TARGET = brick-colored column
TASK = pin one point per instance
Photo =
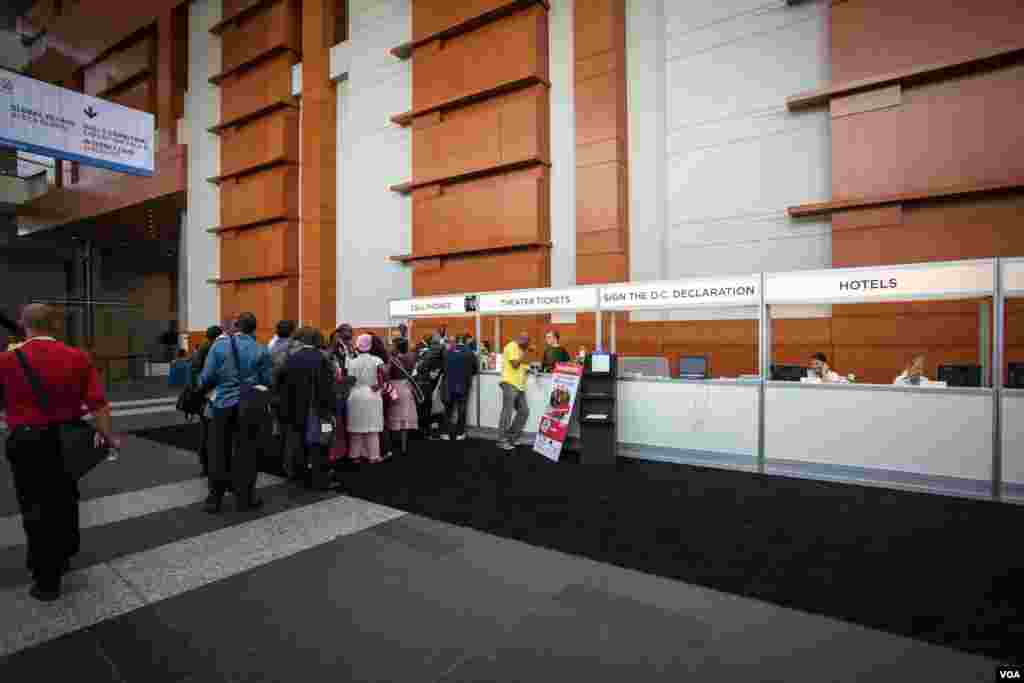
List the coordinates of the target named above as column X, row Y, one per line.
column 319, row 166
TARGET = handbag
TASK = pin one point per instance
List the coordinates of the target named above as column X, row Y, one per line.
column 253, row 403
column 190, row 402
column 77, row 439
column 319, row 430
column 417, row 392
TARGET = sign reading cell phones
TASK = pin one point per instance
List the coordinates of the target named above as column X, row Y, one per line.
column 554, row 423
column 433, row 306
column 953, row 279
column 725, row 291
column 44, row 119
column 540, row 300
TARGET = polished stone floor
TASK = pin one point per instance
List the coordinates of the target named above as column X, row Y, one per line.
column 327, row 587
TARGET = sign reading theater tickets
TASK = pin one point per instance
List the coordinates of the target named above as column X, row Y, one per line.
column 724, row 291
column 40, row 118
column 540, row 301
column 942, row 280
column 554, row 423
column 433, row 305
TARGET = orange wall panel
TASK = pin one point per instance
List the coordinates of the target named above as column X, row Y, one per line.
column 255, row 88
column 524, row 269
column 502, row 210
column 274, row 26
column 594, row 269
column 504, row 51
column 119, row 66
column 270, row 301
column 938, row 231
column 963, row 131
column 140, row 96
column 259, row 196
column 503, row 130
column 265, row 139
column 873, row 37
column 433, row 16
column 266, row 250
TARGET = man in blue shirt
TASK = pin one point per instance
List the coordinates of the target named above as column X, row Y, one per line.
column 235, row 448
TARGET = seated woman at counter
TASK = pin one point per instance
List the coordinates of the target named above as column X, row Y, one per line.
column 553, row 352
column 913, row 374
column 819, row 363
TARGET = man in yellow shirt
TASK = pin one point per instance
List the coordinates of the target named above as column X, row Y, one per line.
column 513, row 392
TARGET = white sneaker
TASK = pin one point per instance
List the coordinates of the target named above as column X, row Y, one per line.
column 460, row 437
column 506, row 446
column 446, row 437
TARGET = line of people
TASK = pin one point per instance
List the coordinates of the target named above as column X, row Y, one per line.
column 348, row 398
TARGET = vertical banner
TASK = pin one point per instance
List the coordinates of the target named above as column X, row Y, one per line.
column 554, row 423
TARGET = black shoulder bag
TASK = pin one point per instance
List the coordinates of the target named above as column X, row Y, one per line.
column 77, row 439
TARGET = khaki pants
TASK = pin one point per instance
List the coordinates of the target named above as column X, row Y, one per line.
column 513, row 403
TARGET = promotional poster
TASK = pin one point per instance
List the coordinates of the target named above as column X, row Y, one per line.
column 554, row 423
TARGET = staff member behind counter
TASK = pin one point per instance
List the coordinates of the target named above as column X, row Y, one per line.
column 819, row 364
column 913, row 374
column 554, row 352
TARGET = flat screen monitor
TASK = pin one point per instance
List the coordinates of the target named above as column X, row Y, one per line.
column 960, row 375
column 1015, row 380
column 788, row 373
column 693, row 367
column 600, row 363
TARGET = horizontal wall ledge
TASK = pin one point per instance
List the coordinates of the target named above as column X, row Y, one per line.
column 824, row 208
column 408, row 258
column 253, row 224
column 262, row 166
column 237, row 17
column 124, row 83
column 289, row 103
column 241, row 68
column 405, row 50
column 408, row 187
column 405, row 118
column 252, row 278
column 993, row 57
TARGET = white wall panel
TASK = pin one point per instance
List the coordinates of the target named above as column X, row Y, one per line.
column 563, row 148
column 202, row 109
column 373, row 222
column 1012, row 419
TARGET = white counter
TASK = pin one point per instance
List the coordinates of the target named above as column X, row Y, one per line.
column 538, row 392
column 1012, row 419
column 930, row 431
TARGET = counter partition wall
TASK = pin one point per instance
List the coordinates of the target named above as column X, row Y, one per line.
column 1011, row 404
column 953, row 440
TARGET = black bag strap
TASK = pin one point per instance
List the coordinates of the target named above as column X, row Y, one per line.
column 238, row 364
column 415, row 387
column 33, row 379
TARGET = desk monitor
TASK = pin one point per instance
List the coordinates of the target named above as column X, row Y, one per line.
column 600, row 363
column 1015, row 380
column 788, row 373
column 693, row 367
column 960, row 375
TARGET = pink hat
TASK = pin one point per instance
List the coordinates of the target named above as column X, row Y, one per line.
column 364, row 342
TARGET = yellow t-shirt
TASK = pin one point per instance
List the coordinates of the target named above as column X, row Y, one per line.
column 514, row 376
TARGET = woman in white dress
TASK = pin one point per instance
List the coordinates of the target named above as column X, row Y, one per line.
column 365, row 404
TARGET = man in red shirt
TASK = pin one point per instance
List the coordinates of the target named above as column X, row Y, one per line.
column 47, row 496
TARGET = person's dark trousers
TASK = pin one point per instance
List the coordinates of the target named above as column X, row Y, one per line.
column 222, row 440
column 235, row 455
column 309, row 462
column 48, row 500
column 204, row 443
column 456, row 424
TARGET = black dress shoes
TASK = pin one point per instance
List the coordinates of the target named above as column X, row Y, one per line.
column 213, row 504
column 250, row 503
column 44, row 594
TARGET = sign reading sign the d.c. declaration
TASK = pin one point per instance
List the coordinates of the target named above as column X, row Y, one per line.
column 43, row 119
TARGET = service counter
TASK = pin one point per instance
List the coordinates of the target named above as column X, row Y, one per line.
column 712, row 416
column 934, row 431
column 1012, row 419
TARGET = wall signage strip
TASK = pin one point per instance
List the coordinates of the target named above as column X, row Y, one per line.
column 956, row 279
column 724, row 291
column 459, row 304
column 44, row 119
column 540, row 301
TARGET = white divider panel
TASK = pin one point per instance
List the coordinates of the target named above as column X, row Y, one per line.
column 945, row 280
column 539, row 301
column 743, row 290
column 1013, row 276
column 693, row 416
column 940, row 433
column 1013, row 437
column 538, row 392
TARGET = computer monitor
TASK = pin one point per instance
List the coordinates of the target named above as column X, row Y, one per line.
column 1015, row 380
column 693, row 367
column 960, row 375
column 788, row 373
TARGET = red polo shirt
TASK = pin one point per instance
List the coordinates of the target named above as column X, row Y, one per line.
column 67, row 375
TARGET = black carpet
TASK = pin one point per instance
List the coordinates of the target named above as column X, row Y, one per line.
column 935, row 568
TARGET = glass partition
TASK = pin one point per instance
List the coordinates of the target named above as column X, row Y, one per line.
column 1012, row 393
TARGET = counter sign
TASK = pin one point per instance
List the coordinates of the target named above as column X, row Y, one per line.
column 681, row 294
